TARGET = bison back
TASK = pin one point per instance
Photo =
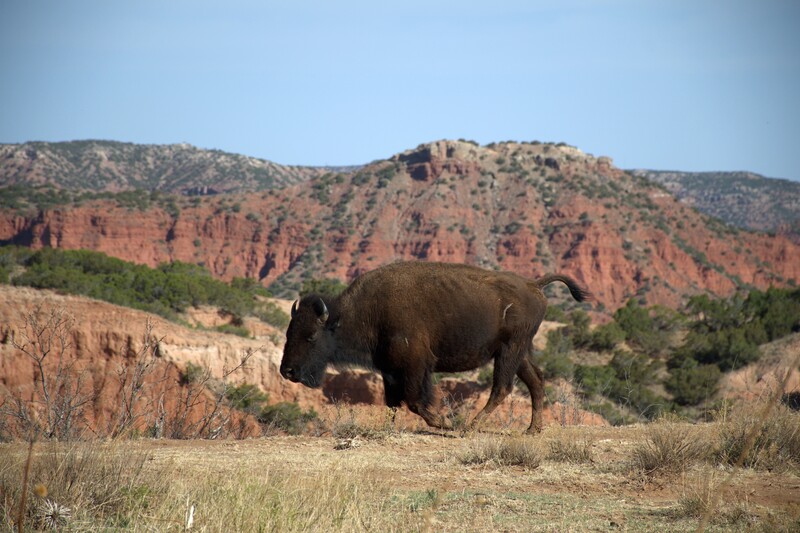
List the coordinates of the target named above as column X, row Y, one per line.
column 460, row 314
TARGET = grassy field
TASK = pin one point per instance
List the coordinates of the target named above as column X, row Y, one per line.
column 664, row 476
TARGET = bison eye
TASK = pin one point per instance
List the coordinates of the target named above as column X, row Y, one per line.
column 313, row 338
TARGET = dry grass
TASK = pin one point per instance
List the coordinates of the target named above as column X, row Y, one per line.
column 87, row 478
column 569, row 446
column 566, row 479
column 670, row 447
column 107, row 486
column 497, row 450
column 776, row 439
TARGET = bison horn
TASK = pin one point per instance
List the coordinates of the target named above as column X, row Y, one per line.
column 294, row 308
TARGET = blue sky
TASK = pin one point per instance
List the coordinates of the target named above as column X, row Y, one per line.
column 685, row 85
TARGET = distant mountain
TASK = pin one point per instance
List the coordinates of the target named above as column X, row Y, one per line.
column 530, row 208
column 742, row 199
column 107, row 166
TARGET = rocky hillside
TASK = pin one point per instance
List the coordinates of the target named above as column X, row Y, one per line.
column 742, row 199
column 527, row 207
column 106, row 166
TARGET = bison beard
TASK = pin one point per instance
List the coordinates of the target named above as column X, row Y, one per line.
column 410, row 319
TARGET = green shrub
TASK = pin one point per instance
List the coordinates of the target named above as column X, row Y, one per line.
column 555, row 314
column 606, row 337
column 641, row 329
column 287, row 416
column 166, row 290
column 247, row 397
column 270, row 313
column 634, row 368
column 625, row 380
column 192, row 373
column 727, row 333
column 327, row 287
column 578, row 329
column 693, row 383
column 231, row 329
column 728, row 349
column 595, row 379
column 249, row 285
column 554, row 360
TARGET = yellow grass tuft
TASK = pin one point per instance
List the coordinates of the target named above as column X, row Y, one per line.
column 522, row 451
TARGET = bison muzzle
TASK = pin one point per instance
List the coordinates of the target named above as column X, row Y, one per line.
column 408, row 320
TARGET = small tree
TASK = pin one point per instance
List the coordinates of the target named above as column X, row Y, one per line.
column 56, row 405
column 133, row 382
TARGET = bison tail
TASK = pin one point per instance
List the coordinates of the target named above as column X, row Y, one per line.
column 577, row 292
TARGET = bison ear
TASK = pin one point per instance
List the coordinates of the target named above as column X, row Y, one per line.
column 322, row 311
column 294, row 308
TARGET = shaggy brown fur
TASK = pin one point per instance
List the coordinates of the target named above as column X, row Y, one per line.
column 408, row 320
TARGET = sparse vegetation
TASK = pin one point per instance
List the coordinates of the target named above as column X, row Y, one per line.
column 502, row 451
column 568, row 479
column 166, row 290
column 669, row 447
column 775, row 437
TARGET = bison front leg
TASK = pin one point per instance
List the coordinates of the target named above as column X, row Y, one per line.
column 532, row 376
column 419, row 398
column 393, row 392
column 418, row 388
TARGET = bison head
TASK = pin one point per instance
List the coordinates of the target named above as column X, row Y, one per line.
column 309, row 344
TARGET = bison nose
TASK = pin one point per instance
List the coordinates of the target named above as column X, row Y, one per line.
column 288, row 373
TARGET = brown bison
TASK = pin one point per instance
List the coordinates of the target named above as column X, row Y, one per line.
column 408, row 320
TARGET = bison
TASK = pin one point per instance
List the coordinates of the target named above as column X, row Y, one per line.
column 409, row 319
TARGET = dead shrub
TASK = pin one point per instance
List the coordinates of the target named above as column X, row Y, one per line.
column 775, row 439
column 502, row 451
column 699, row 496
column 669, row 447
column 346, row 424
column 566, row 450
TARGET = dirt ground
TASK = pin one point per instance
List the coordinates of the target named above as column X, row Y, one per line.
column 426, row 477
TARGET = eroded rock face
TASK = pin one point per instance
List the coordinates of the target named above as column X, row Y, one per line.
column 529, row 208
column 104, row 344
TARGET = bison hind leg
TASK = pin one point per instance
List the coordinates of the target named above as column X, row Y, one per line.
column 506, row 364
column 533, row 378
